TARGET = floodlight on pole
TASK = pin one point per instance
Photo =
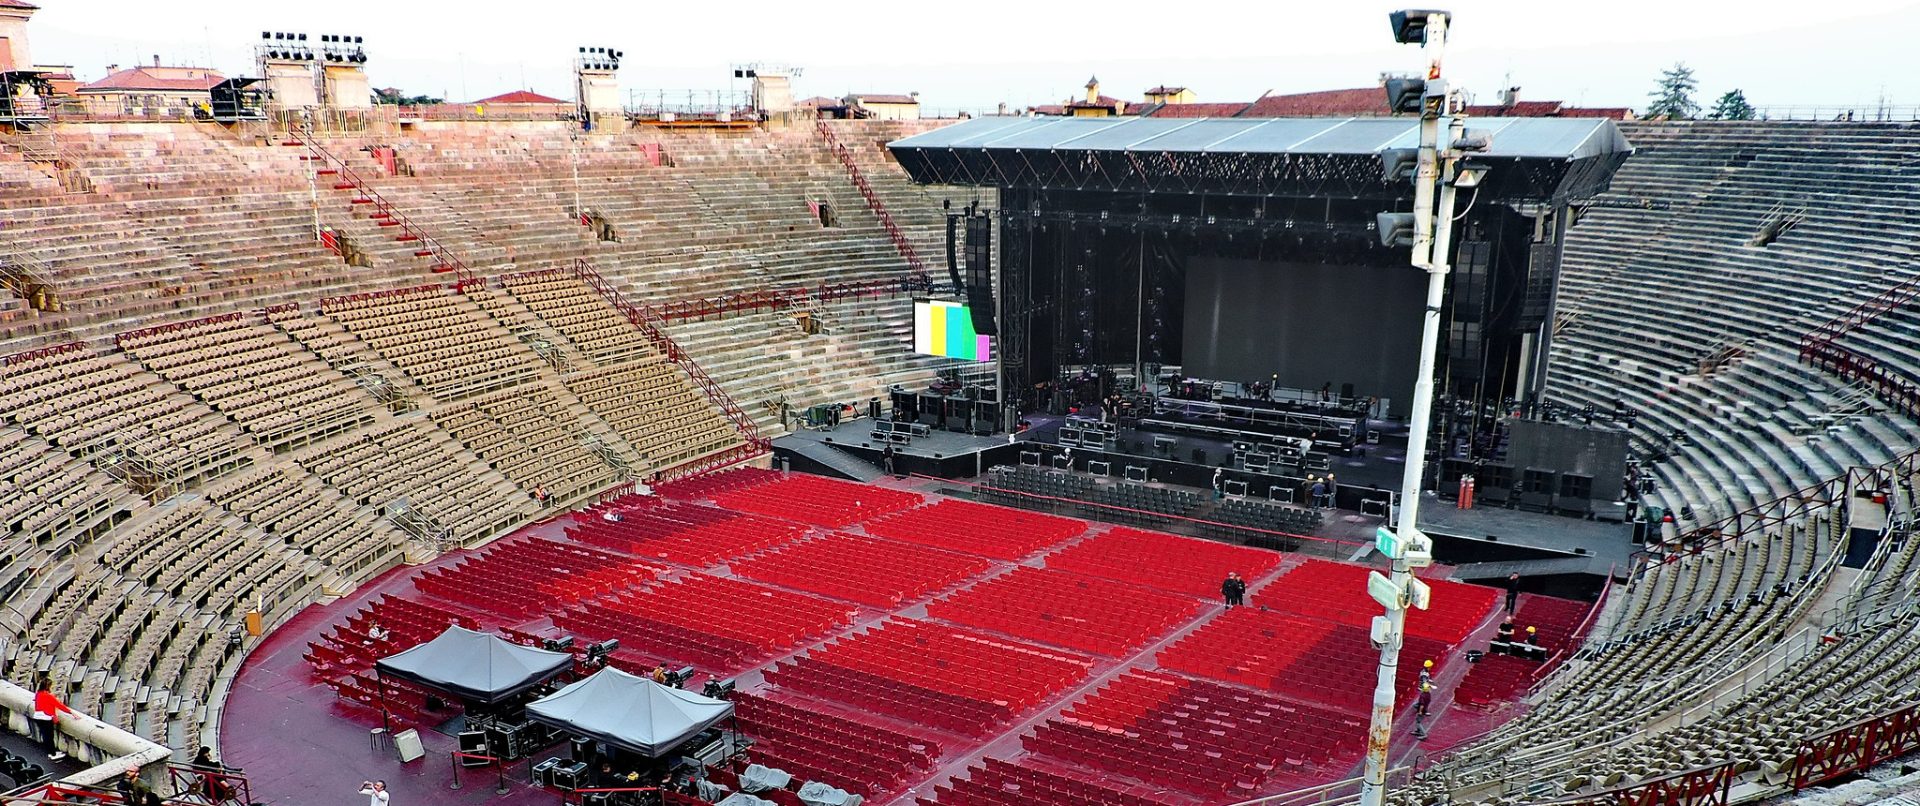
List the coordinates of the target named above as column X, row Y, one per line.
column 1429, row 233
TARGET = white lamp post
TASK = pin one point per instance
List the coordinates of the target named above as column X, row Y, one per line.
column 1435, row 173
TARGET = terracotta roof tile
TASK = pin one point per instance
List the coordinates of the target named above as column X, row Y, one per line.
column 521, row 97
column 156, row 78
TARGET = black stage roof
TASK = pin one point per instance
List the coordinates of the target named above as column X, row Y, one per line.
column 1553, row 160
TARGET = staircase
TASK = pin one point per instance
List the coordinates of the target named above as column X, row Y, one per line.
column 879, row 208
column 27, row 279
column 833, row 458
column 653, row 327
column 382, row 212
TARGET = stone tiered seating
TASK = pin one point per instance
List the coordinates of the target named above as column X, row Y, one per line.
column 244, row 368
column 45, row 492
column 579, row 314
column 1675, row 632
column 1710, row 242
column 656, row 410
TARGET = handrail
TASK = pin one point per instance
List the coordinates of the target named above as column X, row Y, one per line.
column 1324, row 793
column 1856, row 746
column 43, row 352
column 444, row 259
column 653, row 327
column 1860, row 315
column 239, row 790
column 900, row 241
column 1852, row 365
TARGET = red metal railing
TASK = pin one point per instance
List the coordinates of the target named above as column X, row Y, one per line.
column 785, row 298
column 1705, row 786
column 1857, row 746
column 120, row 339
column 879, row 208
column 331, row 303
column 219, row 786
column 1861, row 314
column 385, row 214
column 1851, row 365
column 43, row 352
column 652, row 326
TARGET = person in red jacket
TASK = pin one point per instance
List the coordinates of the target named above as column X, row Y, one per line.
column 46, row 715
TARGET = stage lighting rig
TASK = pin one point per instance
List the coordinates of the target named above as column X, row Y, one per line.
column 342, row 49
column 281, row 46
column 599, row 58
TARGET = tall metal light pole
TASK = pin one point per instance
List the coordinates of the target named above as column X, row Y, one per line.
column 1437, row 169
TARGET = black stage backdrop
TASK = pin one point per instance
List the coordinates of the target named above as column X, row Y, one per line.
column 1310, row 323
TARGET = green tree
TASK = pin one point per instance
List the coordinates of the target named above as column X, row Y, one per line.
column 1673, row 97
column 1732, row 106
column 391, row 95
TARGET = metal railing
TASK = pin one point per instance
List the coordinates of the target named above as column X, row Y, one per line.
column 384, row 212
column 900, row 241
column 653, row 327
column 1887, row 383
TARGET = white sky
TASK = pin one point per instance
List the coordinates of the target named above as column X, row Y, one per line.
column 976, row 53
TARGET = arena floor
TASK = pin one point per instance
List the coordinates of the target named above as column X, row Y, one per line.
column 300, row 744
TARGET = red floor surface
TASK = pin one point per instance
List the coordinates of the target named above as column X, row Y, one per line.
column 301, row 744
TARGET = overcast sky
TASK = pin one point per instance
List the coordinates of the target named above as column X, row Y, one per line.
column 976, row 54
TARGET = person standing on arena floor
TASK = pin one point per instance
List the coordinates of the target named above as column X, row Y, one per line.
column 376, row 792
column 47, row 709
column 1234, row 589
column 886, row 458
column 1513, row 590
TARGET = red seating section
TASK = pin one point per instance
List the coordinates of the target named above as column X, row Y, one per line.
column 861, row 569
column 999, row 783
column 818, row 500
column 1495, row 679
column 712, row 484
column 998, row 532
column 720, row 625
column 1068, row 610
column 1164, row 561
column 344, row 656
column 532, row 576
column 349, row 647
column 1557, row 619
column 863, row 759
column 1202, row 738
column 943, row 677
column 1309, row 660
column 684, row 533
column 1338, row 592
column 1253, row 700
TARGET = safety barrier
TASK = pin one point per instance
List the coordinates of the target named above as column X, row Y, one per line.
column 499, row 768
column 1857, row 746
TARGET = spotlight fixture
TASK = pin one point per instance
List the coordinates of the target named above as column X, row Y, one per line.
column 598, row 58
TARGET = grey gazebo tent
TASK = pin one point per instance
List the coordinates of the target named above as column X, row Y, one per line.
column 475, row 666
column 629, row 712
